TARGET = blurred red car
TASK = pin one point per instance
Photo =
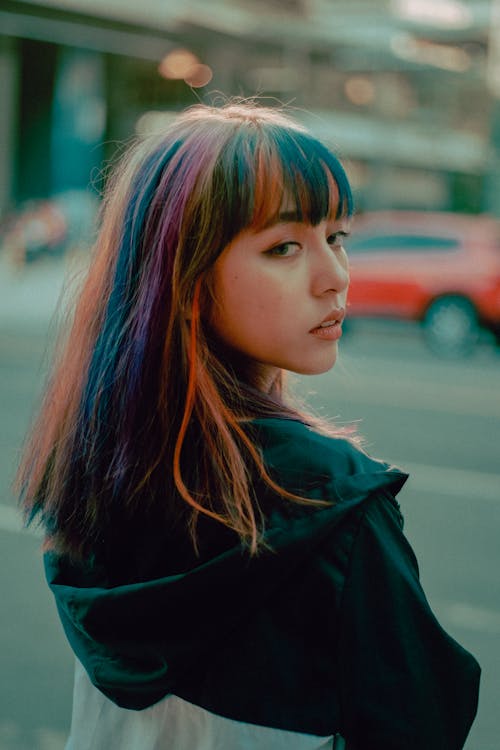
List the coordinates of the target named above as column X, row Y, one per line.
column 440, row 269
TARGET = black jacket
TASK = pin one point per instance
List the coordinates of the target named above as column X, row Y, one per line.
column 326, row 631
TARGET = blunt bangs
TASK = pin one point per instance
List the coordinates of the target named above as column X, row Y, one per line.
column 272, row 168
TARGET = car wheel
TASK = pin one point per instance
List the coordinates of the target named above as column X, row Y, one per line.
column 451, row 327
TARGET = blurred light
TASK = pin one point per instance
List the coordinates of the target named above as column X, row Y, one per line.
column 177, row 64
column 451, row 14
column 421, row 51
column 359, row 90
column 198, row 75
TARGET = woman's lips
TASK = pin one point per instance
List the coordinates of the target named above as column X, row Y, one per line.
column 329, row 331
column 330, row 328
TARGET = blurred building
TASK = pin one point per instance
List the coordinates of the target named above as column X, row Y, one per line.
column 401, row 88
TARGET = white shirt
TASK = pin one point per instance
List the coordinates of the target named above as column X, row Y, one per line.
column 171, row 724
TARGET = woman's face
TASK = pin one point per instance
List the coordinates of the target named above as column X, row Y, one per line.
column 280, row 294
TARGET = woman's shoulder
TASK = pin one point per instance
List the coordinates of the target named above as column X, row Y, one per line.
column 306, row 457
column 294, row 439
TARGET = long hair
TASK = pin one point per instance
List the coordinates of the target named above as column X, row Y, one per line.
column 142, row 413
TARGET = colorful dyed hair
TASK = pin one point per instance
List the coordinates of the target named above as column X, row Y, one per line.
column 143, row 415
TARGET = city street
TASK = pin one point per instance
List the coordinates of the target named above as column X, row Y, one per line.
column 438, row 419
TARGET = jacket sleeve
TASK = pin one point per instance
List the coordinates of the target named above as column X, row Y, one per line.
column 405, row 683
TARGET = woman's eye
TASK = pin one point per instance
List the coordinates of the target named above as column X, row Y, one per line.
column 336, row 239
column 285, row 250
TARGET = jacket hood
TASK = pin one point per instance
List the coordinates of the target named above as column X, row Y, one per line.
column 137, row 639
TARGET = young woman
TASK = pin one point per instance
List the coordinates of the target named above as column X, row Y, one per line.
column 230, row 573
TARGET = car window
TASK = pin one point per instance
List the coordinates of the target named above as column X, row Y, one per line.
column 400, row 242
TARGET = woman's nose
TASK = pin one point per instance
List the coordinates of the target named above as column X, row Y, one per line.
column 331, row 273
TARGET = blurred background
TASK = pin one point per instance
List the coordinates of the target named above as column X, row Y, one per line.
column 407, row 93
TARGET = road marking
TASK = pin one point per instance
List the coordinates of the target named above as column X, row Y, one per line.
column 449, row 481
